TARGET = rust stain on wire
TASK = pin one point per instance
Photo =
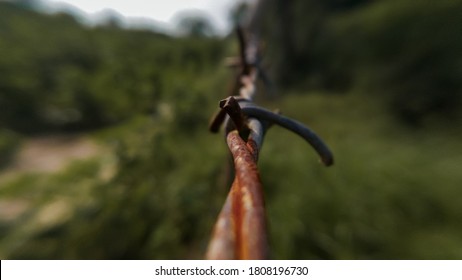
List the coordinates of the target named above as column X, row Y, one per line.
column 240, row 231
column 248, row 205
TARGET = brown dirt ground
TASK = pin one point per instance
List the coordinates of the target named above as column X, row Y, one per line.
column 49, row 154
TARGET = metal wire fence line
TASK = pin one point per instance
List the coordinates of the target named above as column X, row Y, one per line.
column 240, row 231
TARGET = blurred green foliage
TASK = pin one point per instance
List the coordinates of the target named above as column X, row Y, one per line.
column 58, row 75
column 9, row 143
column 407, row 52
column 157, row 189
column 392, row 193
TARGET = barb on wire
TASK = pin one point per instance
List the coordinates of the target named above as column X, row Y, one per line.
column 300, row 129
column 232, row 108
column 245, row 61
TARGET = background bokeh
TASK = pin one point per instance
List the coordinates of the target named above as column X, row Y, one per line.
column 105, row 151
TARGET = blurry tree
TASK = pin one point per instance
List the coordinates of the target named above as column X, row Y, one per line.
column 80, row 78
column 28, row 4
column 239, row 13
column 196, row 26
column 408, row 52
column 294, row 30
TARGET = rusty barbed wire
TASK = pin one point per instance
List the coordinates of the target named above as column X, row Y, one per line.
column 240, row 231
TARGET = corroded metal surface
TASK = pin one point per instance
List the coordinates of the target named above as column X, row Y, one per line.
column 222, row 244
column 248, row 205
column 240, row 231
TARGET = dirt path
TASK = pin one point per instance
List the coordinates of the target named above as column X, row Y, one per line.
column 50, row 154
column 45, row 154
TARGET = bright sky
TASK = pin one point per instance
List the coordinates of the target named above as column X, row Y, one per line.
column 160, row 10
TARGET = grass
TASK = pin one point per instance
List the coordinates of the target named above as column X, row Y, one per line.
column 391, row 194
column 9, row 143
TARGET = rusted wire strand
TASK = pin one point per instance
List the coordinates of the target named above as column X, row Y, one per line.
column 240, row 231
column 249, row 211
column 222, row 243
